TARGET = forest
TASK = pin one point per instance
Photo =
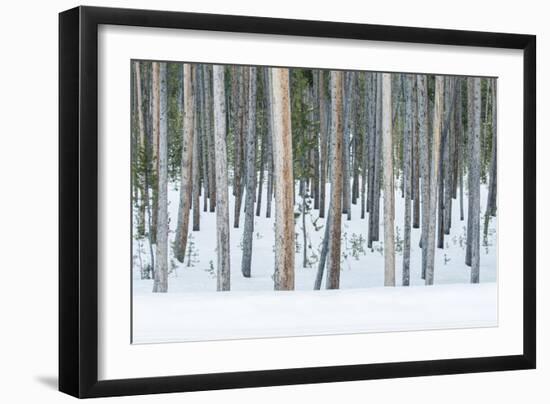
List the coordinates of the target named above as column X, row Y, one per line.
column 265, row 178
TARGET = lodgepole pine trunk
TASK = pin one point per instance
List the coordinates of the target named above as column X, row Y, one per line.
column 475, row 167
column 250, row 176
column 389, row 203
column 195, row 169
column 186, row 185
column 492, row 197
column 207, row 77
column 282, row 159
column 335, row 212
column 323, row 144
column 238, row 146
column 348, row 122
column 407, row 178
column 269, row 109
column 415, row 159
column 222, row 193
column 436, row 149
column 423, row 140
column 160, row 284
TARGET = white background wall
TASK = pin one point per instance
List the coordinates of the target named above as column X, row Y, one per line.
column 28, row 201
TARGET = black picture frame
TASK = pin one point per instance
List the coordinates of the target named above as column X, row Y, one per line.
column 78, row 201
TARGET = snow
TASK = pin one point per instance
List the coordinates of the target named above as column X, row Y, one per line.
column 193, row 310
column 175, row 317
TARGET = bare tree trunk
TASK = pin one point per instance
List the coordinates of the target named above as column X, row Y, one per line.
column 475, row 162
column 407, row 178
column 186, row 185
column 422, row 97
column 160, row 284
column 269, row 109
column 282, row 159
column 155, row 105
column 471, row 129
column 389, row 204
column 375, row 155
column 238, row 141
column 335, row 213
column 250, row 176
column 209, row 135
column 222, row 194
column 492, row 197
column 436, row 143
column 415, row 159
column 348, row 120
column 323, row 144
column 141, row 151
column 195, row 168
column 262, row 168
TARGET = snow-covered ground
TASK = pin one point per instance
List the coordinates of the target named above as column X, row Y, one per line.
column 193, row 310
column 175, row 317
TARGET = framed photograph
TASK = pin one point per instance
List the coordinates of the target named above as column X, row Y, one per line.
column 251, row 201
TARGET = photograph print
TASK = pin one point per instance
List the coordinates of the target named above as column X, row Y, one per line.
column 284, row 202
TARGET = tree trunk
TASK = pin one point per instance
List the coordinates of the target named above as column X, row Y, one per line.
column 186, row 185
column 155, row 105
column 195, row 169
column 423, row 140
column 160, row 284
column 434, row 180
column 250, row 176
column 407, row 178
column 492, row 197
column 335, row 213
column 269, row 109
column 222, row 194
column 475, row 163
column 348, row 120
column 238, row 141
column 389, row 208
column 210, row 137
column 282, row 159
column 323, row 144
column 141, row 151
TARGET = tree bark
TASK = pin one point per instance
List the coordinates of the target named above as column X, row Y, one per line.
column 250, row 176
column 323, row 144
column 407, row 179
column 282, row 159
column 475, row 167
column 186, row 185
column 389, row 203
column 335, row 213
column 434, row 180
column 160, row 284
column 222, row 193
column 422, row 97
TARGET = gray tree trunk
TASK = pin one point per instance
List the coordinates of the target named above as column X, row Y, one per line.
column 492, row 197
column 335, row 213
column 222, row 194
column 423, row 140
column 323, row 144
column 186, row 185
column 475, row 167
column 434, row 180
column 282, row 159
column 238, row 141
column 160, row 284
column 195, row 171
column 270, row 175
column 348, row 124
column 389, row 203
column 407, row 178
column 250, row 175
